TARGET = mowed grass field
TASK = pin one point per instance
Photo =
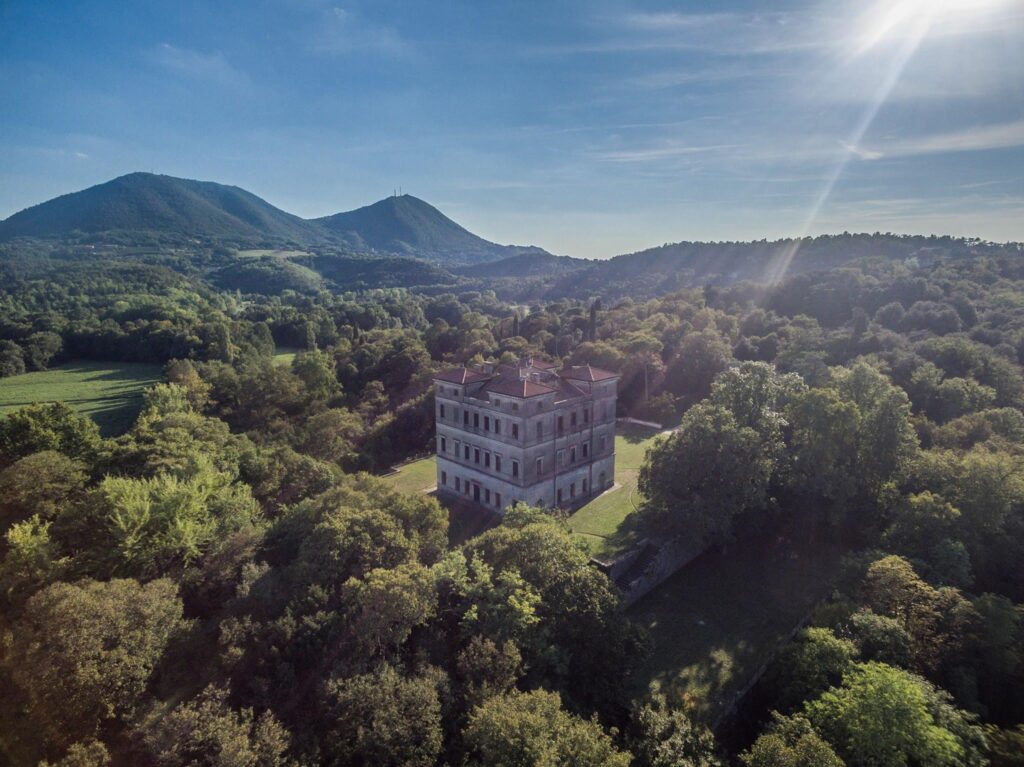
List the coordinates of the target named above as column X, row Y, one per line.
column 109, row 392
column 414, row 477
column 719, row 619
column 604, row 524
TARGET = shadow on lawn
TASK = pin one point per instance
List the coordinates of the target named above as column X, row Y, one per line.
column 714, row 623
column 625, row 536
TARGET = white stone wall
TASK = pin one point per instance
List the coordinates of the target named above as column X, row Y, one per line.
column 465, row 422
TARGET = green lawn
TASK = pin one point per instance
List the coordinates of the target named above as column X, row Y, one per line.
column 718, row 620
column 284, row 355
column 603, row 523
column 109, row 392
column 415, row 477
column 260, row 253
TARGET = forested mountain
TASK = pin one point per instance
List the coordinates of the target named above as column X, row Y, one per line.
column 407, row 225
column 144, row 202
column 143, row 206
column 687, row 264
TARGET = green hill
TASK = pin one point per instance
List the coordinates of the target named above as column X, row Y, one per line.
column 408, row 226
column 145, row 202
column 688, row 264
column 268, row 275
column 541, row 264
column 143, row 207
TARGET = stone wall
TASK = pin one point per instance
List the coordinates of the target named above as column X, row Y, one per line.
column 656, row 568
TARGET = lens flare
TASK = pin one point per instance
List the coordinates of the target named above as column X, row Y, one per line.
column 905, row 23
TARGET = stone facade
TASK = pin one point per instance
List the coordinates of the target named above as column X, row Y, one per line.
column 526, row 432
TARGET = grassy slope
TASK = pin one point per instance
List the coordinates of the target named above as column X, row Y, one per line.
column 602, row 523
column 718, row 620
column 109, row 392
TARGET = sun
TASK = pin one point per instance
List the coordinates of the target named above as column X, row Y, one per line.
column 898, row 19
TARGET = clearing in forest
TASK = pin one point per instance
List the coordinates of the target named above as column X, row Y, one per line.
column 603, row 523
column 109, row 392
column 718, row 620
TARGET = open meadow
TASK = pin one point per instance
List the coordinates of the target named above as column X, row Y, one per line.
column 108, row 392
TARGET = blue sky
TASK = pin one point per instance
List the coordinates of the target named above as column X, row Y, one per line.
column 589, row 128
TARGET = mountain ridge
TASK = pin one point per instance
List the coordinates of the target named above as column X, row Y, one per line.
column 168, row 205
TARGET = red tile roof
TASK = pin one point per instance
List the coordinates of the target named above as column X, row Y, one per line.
column 460, row 376
column 515, row 387
column 586, row 373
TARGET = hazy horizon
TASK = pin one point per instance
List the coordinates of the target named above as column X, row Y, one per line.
column 588, row 129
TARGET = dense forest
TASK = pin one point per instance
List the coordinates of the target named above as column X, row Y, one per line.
column 227, row 583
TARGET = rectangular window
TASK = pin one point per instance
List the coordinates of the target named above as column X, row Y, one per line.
column 444, row 478
column 487, row 423
column 515, row 468
column 601, row 444
column 584, row 485
column 440, row 410
column 465, row 418
column 560, row 458
column 559, row 495
column 476, row 420
column 487, row 460
column 572, row 454
column 561, row 424
column 444, row 445
column 497, row 463
column 586, row 449
column 572, row 418
column 586, row 415
column 515, row 405
column 465, row 449
column 572, row 490
column 515, row 431
column 476, row 455
column 540, row 466
column 497, row 500
column 497, row 426
column 487, row 495
column 458, row 484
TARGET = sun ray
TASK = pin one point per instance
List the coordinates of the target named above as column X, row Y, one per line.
column 913, row 19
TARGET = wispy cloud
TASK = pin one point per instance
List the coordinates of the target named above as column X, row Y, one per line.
column 209, row 67
column 665, row 151
column 740, row 34
column 341, row 31
column 974, row 139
